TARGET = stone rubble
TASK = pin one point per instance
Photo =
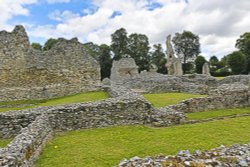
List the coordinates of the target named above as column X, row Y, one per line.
column 233, row 156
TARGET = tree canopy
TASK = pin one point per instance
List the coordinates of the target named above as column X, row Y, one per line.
column 236, row 62
column 186, row 45
column 37, row 46
column 138, row 48
column 158, row 58
column 243, row 44
column 49, row 44
column 199, row 62
column 105, row 60
column 119, row 43
column 93, row 49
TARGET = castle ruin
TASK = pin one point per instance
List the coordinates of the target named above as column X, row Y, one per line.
column 26, row 73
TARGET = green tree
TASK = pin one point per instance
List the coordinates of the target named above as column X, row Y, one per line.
column 36, row 46
column 158, row 58
column 213, row 61
column 119, row 43
column 105, row 60
column 236, row 62
column 186, row 46
column 199, row 62
column 93, row 49
column 243, row 44
column 138, row 48
column 49, row 44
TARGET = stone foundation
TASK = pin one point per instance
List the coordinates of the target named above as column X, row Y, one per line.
column 34, row 127
column 234, row 156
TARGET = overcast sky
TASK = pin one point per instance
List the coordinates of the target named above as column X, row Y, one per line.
column 217, row 22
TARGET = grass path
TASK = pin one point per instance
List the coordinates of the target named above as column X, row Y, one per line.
column 105, row 147
column 165, row 99
column 218, row 113
column 77, row 98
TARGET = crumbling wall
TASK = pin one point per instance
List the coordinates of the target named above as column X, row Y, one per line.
column 26, row 73
column 26, row 147
column 192, row 83
column 225, row 96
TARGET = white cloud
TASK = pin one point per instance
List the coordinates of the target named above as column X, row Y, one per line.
column 58, row 1
column 60, row 16
column 10, row 8
column 218, row 23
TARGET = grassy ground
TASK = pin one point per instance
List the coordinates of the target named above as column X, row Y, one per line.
column 219, row 78
column 4, row 142
column 165, row 99
column 77, row 98
column 218, row 113
column 105, row 147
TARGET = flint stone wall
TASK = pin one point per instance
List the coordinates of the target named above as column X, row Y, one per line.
column 235, row 79
column 26, row 73
column 225, row 96
column 158, row 83
column 26, row 147
column 233, row 156
column 125, row 108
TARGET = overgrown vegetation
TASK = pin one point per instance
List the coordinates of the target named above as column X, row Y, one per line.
column 105, row 147
column 4, row 142
column 218, row 113
column 165, row 99
column 77, row 98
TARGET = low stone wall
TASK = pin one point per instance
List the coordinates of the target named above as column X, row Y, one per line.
column 158, row 83
column 121, row 111
column 46, row 92
column 242, row 79
column 225, row 96
column 26, row 147
column 234, row 156
column 33, row 127
column 13, row 121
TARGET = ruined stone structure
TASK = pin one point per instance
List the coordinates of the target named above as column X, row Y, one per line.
column 206, row 69
column 34, row 127
column 125, row 68
column 174, row 64
column 233, row 156
column 155, row 83
column 59, row 71
column 26, row 73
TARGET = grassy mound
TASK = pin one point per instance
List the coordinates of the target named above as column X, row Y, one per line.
column 165, row 99
column 218, row 113
column 105, row 147
column 77, row 98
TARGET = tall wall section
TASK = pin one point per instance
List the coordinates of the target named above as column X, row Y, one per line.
column 26, row 73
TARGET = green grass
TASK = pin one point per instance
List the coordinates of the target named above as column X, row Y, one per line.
column 219, row 78
column 165, row 99
column 15, row 108
column 105, row 147
column 77, row 98
column 4, row 142
column 217, row 113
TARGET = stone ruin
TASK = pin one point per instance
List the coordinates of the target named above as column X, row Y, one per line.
column 26, row 73
column 206, row 69
column 174, row 64
column 125, row 68
column 60, row 71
